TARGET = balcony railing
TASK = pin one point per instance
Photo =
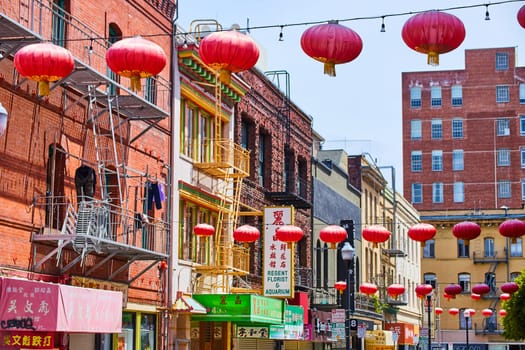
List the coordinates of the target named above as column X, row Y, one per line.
column 303, row 277
column 96, row 224
column 219, row 156
column 488, row 328
column 87, row 45
column 490, row 257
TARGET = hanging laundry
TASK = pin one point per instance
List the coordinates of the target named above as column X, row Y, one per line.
column 85, row 182
column 152, row 189
column 162, row 193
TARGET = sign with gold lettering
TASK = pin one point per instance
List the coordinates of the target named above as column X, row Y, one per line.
column 28, row 340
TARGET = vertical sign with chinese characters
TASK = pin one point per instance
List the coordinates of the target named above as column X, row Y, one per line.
column 278, row 258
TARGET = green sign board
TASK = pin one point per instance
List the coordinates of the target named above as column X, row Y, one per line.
column 240, row 308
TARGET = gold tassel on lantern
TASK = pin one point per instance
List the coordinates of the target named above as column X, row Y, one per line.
column 433, row 58
column 329, row 69
column 43, row 88
column 135, row 83
column 225, row 76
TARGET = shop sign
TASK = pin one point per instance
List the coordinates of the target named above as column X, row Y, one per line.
column 278, row 261
column 78, row 281
column 338, row 331
column 36, row 340
column 251, row 332
column 405, row 332
column 338, row 315
column 293, row 322
column 239, row 308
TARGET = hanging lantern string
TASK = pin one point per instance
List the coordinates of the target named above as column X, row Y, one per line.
column 351, row 19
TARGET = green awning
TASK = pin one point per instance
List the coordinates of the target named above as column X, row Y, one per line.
column 240, row 308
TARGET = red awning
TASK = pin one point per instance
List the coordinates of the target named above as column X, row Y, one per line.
column 48, row 307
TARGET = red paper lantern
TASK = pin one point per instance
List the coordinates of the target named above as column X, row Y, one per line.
column 368, row 288
column 503, row 312
column 332, row 235
column 340, row 286
column 246, row 234
column 521, row 16
column 228, row 52
column 475, row 296
column 331, row 44
column 487, row 312
column 512, row 228
column 438, row 310
column 504, row 296
column 453, row 311
column 376, row 234
column 422, row 290
column 509, row 287
column 453, row 290
column 204, row 230
column 136, row 58
column 466, row 231
column 447, row 296
column 395, row 290
column 289, row 234
column 163, row 265
column 422, row 232
column 481, row 288
column 44, row 63
column 433, row 33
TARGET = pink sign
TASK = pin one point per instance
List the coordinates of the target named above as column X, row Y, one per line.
column 49, row 307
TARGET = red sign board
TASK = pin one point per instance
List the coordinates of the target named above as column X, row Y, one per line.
column 26, row 340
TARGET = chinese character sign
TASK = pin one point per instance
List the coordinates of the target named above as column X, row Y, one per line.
column 278, row 259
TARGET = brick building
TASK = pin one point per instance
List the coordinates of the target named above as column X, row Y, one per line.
column 463, row 160
column 80, row 171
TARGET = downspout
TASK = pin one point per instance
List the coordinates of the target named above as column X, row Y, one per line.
column 171, row 177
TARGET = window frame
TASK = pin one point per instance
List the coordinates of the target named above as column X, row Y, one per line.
column 502, row 94
column 489, row 247
column 416, row 161
column 522, row 93
column 416, row 132
column 502, row 61
column 457, row 128
column 456, row 99
column 429, row 249
column 437, row 160
column 417, row 193
column 415, row 97
column 458, row 161
column 437, row 192
column 459, row 192
column 504, row 189
column 503, row 127
column 436, row 129
column 464, row 280
column 463, row 249
column 436, row 99
column 522, row 125
column 516, row 247
column 503, row 157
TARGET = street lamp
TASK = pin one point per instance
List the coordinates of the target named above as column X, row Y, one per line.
column 466, row 314
column 347, row 254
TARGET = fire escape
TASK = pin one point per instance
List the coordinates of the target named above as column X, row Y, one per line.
column 224, row 165
column 104, row 227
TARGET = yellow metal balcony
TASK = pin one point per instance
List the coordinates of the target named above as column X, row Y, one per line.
column 229, row 260
column 224, row 158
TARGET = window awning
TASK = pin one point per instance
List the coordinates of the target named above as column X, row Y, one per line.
column 186, row 304
column 49, row 307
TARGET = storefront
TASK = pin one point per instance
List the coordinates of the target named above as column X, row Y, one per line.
column 40, row 315
column 238, row 321
column 405, row 335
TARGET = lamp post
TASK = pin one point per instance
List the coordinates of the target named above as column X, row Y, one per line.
column 347, row 254
column 429, row 310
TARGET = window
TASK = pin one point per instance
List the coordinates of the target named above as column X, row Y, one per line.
column 522, row 125
column 459, row 192
column 522, row 154
column 415, row 97
column 463, row 320
column 523, row 189
column 503, row 127
column 503, row 157
column 430, row 278
column 417, row 161
column 415, row 129
column 457, row 160
column 463, row 249
column 436, row 129
column 457, row 128
column 437, row 160
column 502, row 61
column 187, row 127
column 428, row 249
column 490, row 280
column 437, row 192
column 464, row 282
column 204, row 138
column 514, row 275
column 417, row 193
column 148, row 331
column 516, row 247
column 435, row 96
column 502, row 94
column 456, row 95
column 488, row 247
column 522, row 93
column 150, row 90
column 58, row 23
column 261, row 166
column 504, row 189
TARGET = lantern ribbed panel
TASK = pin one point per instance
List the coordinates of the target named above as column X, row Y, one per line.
column 246, row 234
column 421, row 232
column 466, row 230
column 376, row 234
column 229, row 50
column 332, row 234
column 512, row 228
column 433, row 33
column 509, row 287
column 453, row 289
column 136, row 56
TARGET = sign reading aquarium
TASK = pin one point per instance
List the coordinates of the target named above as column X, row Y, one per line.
column 278, row 259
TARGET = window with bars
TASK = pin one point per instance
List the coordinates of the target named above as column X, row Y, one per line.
column 504, row 189
column 415, row 97
column 502, row 61
column 456, row 95
column 435, row 96
column 502, row 94
column 503, row 127
column 436, row 129
column 503, row 157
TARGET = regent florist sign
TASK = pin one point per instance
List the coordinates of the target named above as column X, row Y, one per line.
column 278, row 258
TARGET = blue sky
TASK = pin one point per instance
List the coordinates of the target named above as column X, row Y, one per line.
column 359, row 110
